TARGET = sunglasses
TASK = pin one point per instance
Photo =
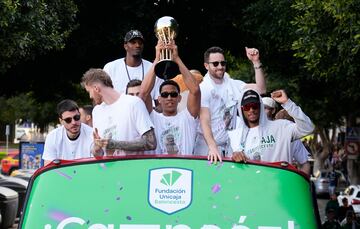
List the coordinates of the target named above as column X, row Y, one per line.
column 216, row 63
column 173, row 94
column 247, row 107
column 69, row 119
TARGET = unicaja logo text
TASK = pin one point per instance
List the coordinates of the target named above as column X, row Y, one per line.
column 170, row 189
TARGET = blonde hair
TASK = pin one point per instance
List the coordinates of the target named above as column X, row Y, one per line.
column 96, row 75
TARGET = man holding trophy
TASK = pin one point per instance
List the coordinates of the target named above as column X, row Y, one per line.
column 175, row 131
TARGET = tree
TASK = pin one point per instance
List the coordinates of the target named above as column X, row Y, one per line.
column 328, row 42
column 24, row 107
column 32, row 27
column 311, row 49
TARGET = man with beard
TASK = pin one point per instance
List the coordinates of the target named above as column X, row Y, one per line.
column 70, row 141
column 219, row 98
column 258, row 138
column 132, row 66
column 118, row 119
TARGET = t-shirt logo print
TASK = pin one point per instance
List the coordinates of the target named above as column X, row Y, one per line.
column 169, row 139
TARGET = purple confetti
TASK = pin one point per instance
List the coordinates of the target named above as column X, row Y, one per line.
column 216, row 188
column 128, row 217
column 209, row 163
column 57, row 215
column 64, row 175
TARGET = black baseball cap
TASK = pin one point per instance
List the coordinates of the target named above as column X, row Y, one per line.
column 133, row 34
column 250, row 96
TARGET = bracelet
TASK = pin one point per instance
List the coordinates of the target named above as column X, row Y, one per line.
column 258, row 66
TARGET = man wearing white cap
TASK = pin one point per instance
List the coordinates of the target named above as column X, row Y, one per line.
column 270, row 107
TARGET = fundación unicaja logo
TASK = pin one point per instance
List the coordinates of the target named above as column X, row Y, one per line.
column 170, row 189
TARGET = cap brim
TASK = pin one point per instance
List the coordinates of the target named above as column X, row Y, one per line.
column 250, row 100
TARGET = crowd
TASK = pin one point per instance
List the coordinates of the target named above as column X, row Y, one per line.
column 338, row 217
column 137, row 112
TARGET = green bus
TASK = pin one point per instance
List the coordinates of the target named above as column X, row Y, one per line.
column 168, row 192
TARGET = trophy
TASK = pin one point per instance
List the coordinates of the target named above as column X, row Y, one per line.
column 166, row 29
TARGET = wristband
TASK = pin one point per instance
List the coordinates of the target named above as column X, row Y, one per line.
column 259, row 66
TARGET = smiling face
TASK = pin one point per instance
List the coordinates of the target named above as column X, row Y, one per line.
column 218, row 71
column 169, row 103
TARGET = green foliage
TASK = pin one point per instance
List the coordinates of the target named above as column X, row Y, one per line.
column 25, row 107
column 328, row 40
column 311, row 48
column 31, row 27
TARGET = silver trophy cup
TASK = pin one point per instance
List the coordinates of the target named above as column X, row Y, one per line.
column 166, row 29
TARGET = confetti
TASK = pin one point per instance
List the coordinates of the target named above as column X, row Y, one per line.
column 64, row 175
column 258, row 171
column 242, row 219
column 216, row 188
column 128, row 217
column 57, row 215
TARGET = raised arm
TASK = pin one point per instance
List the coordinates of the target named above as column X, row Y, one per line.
column 149, row 80
column 260, row 84
column 193, row 102
column 303, row 124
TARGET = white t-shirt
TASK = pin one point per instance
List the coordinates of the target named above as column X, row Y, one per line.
column 175, row 134
column 221, row 100
column 124, row 120
column 120, row 77
column 252, row 144
column 59, row 146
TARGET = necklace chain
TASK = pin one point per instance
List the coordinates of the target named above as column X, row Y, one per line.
column 127, row 71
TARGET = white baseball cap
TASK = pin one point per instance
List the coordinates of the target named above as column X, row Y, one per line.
column 267, row 101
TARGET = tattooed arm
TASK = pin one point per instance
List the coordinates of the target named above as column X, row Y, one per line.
column 146, row 142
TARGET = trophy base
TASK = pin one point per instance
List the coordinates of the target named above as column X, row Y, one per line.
column 166, row 69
